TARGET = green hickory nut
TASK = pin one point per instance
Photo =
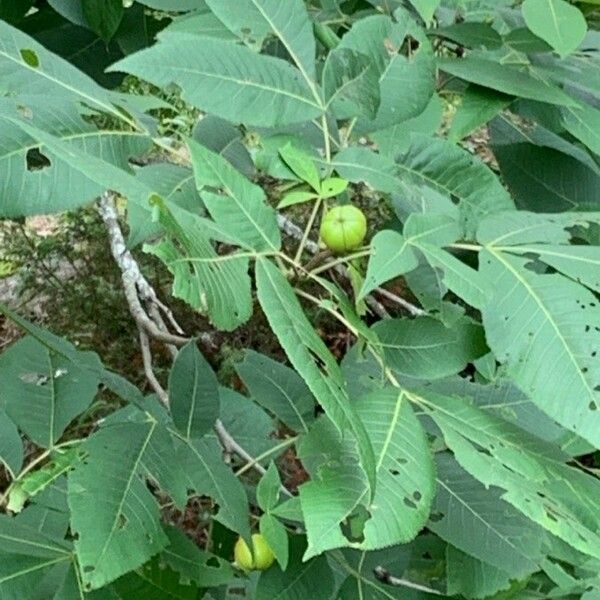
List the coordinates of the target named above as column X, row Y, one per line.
column 343, row 228
column 263, row 555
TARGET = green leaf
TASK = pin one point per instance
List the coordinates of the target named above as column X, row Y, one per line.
column 557, row 22
column 394, row 140
column 268, row 489
column 277, row 388
column 477, row 521
column 212, row 284
column 452, row 171
column 97, row 173
column 248, row 423
column 478, row 106
column 21, row 535
column 536, row 481
column 508, row 128
column 296, row 197
column 227, row 80
column 473, row 578
column 351, row 84
column 302, row 579
column 426, row 349
column 42, row 391
column 302, row 165
column 426, row 8
column 194, row 564
column 406, row 84
column 56, row 182
column 11, row 446
column 311, row 358
column 225, row 139
column 511, row 80
column 288, row 21
column 28, row 69
column 391, row 256
column 464, row 281
column 533, row 324
column 242, row 210
column 471, row 34
column 193, row 393
column 174, row 184
column 332, row 186
column 20, row 574
column 584, row 124
column 206, row 24
column 103, row 16
column 117, row 384
column 152, row 579
column 126, row 522
column 207, row 475
column 534, row 172
column 405, row 481
column 358, row 164
column 276, row 535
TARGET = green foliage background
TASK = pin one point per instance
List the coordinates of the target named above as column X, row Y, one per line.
column 448, row 447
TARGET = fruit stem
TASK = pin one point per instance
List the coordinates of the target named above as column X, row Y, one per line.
column 311, row 220
column 339, row 261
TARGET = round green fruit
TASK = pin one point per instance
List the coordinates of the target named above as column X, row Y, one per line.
column 263, row 555
column 343, row 228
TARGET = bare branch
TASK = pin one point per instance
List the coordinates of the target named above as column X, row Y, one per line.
column 135, row 285
column 149, row 372
column 384, row 576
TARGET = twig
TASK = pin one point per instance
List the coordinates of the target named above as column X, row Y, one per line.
column 411, row 308
column 149, row 372
column 230, row 445
column 135, row 285
column 382, row 575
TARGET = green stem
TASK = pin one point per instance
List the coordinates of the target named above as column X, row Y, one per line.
column 266, row 454
column 339, row 261
column 325, row 126
column 472, row 247
column 311, row 220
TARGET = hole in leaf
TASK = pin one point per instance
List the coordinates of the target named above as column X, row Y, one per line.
column 36, row 161
column 394, row 472
column 89, row 569
column 593, row 406
column 122, row 521
column 409, row 502
column 30, row 57
column 212, row 562
column 435, row 517
column 353, row 527
column 417, row 495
